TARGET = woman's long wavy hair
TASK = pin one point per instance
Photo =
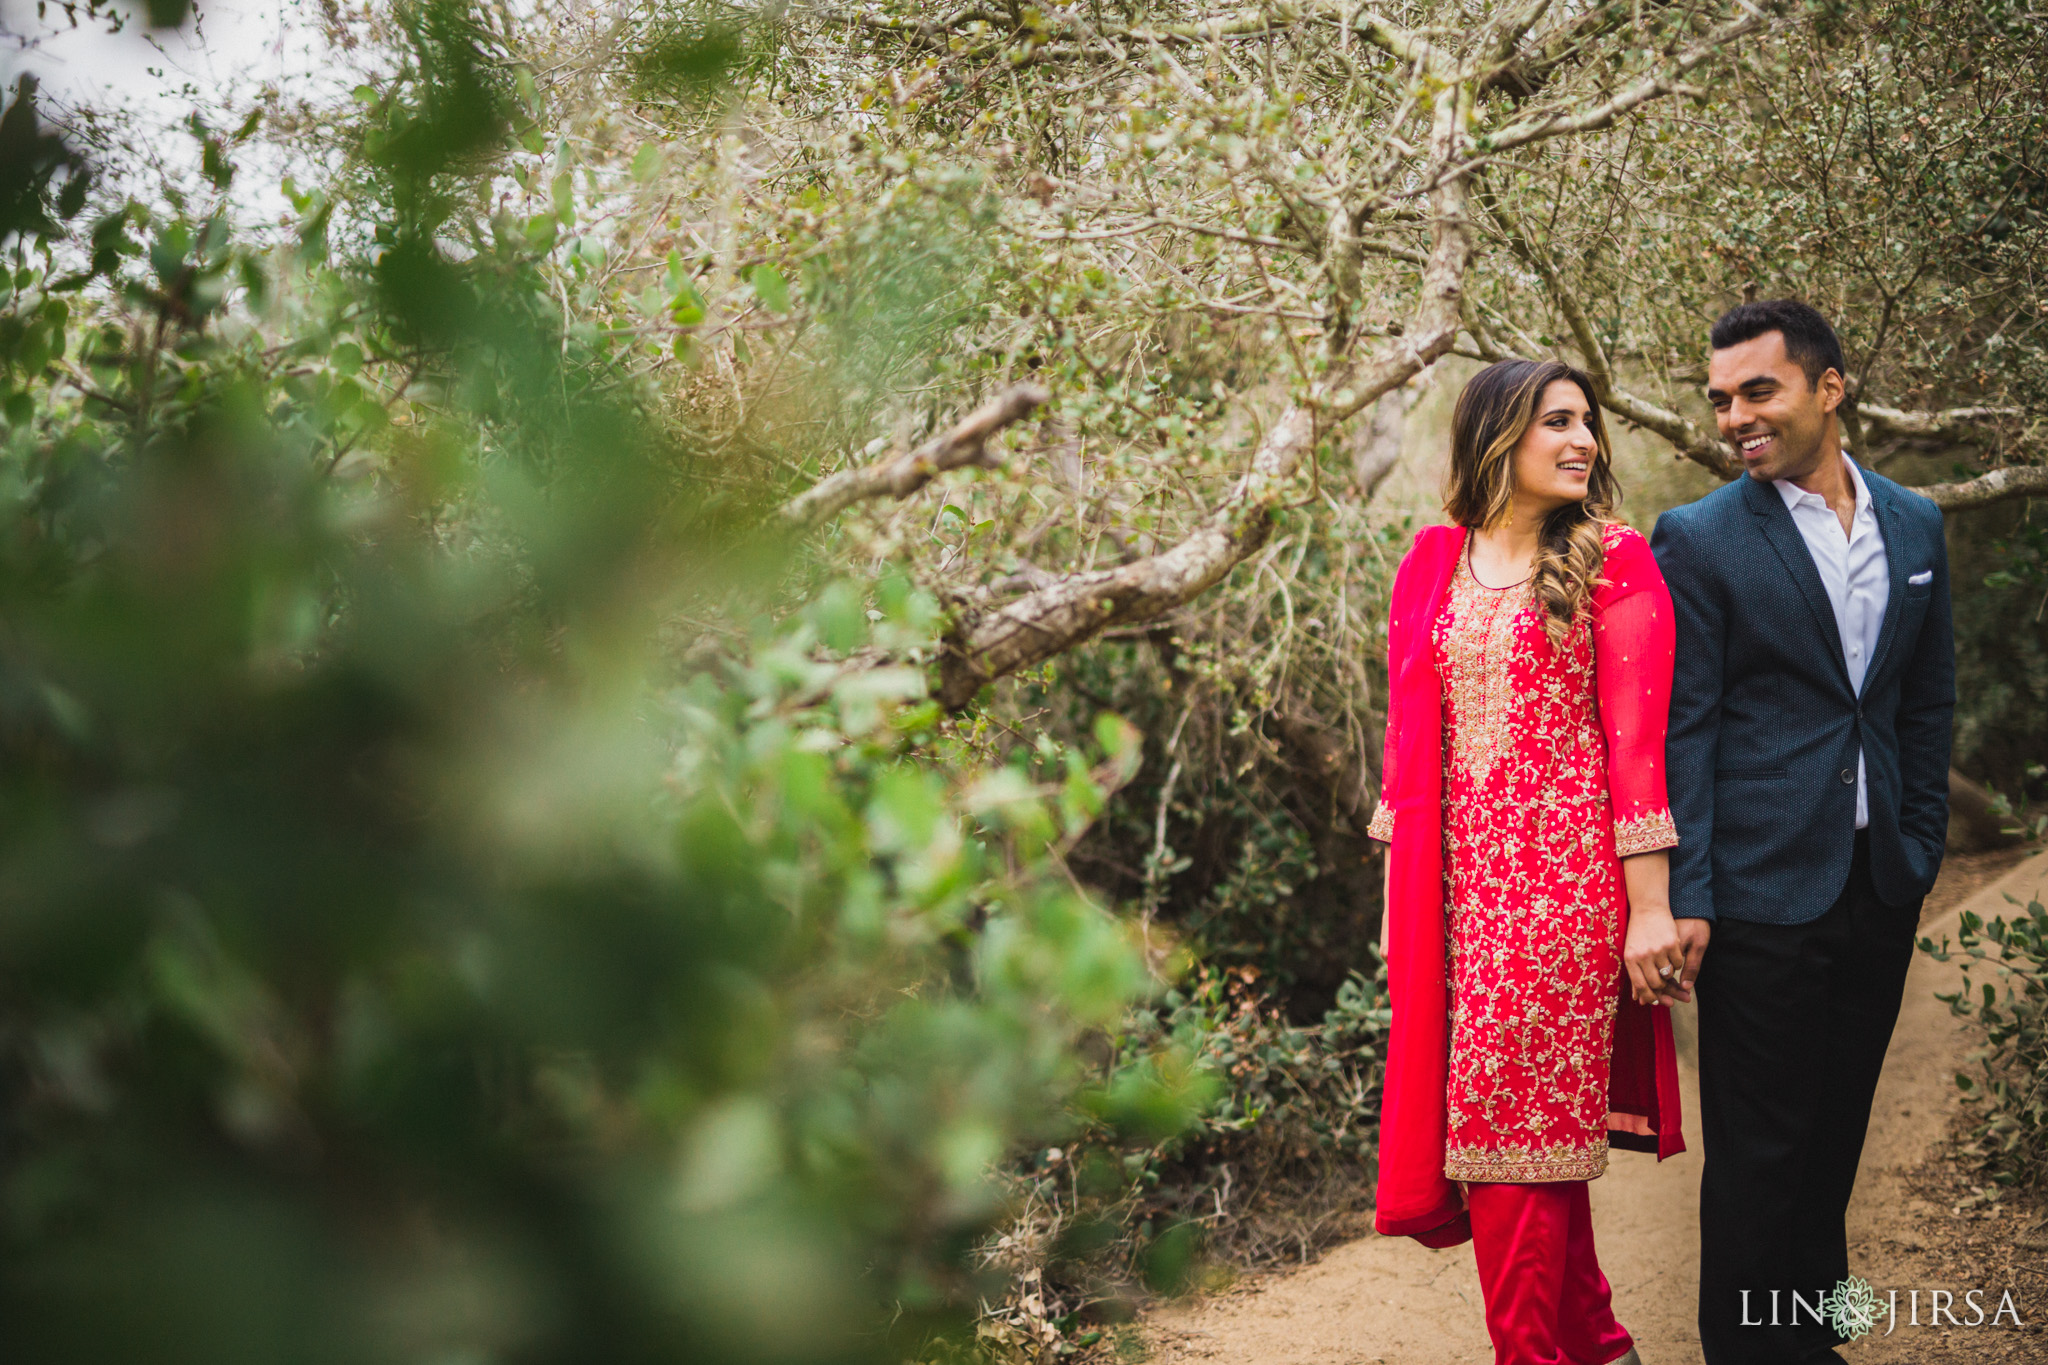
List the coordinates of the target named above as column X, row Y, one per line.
column 1492, row 415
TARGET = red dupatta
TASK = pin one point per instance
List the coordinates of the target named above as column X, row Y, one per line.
column 1415, row 1198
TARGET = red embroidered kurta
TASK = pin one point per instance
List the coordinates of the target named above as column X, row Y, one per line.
column 1548, row 768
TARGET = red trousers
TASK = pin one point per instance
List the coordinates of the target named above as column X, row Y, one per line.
column 1546, row 1301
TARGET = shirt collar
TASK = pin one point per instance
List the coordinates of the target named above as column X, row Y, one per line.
column 1793, row 494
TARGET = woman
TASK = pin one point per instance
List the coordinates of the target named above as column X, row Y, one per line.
column 1528, row 930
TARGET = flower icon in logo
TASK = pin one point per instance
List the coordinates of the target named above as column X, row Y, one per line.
column 1852, row 1307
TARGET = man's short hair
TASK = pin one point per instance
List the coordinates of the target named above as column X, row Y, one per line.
column 1809, row 341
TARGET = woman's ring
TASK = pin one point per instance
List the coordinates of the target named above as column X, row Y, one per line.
column 1664, row 970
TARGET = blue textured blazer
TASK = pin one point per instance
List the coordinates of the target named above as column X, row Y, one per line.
column 1761, row 750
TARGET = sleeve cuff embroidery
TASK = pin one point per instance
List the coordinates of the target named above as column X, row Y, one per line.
column 1382, row 827
column 1644, row 833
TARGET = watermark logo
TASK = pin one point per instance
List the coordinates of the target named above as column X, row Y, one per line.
column 1852, row 1308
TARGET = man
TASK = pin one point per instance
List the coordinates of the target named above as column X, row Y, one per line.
column 1808, row 768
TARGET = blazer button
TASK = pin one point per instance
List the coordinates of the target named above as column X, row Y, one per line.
column 1848, row 777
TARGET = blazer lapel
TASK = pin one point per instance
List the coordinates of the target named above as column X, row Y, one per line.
column 1776, row 523
column 1896, row 568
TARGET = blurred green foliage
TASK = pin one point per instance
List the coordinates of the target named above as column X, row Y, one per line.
column 418, row 941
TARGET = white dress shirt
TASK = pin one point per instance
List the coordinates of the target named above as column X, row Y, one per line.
column 1857, row 577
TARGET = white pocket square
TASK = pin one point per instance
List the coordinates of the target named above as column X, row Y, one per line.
column 1924, row 576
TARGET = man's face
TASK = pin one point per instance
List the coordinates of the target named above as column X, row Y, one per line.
column 1766, row 410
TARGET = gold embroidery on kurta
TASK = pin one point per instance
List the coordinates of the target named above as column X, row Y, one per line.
column 1480, row 696
column 1645, row 834
column 1533, row 899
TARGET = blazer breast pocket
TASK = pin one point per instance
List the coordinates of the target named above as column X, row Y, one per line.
column 1747, row 774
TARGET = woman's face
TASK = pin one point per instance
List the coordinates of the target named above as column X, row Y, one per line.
column 1555, row 457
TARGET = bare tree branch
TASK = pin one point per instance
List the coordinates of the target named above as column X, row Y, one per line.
column 1691, row 440
column 1156, row 220
column 900, row 475
column 1688, row 437
column 995, row 633
column 1589, row 118
column 1084, row 39
column 988, row 642
column 2013, row 481
column 1377, row 449
column 1390, row 37
column 1947, row 424
column 1512, row 25
column 1240, row 24
column 1524, row 72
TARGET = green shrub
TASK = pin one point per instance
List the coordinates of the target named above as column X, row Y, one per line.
column 1274, row 1163
column 2007, row 1091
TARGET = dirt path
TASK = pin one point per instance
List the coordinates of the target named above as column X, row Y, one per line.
column 1390, row 1300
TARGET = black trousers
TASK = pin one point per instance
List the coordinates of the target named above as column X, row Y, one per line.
column 1794, row 1022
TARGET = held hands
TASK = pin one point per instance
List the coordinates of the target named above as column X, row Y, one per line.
column 1656, row 942
column 1661, row 962
column 1695, row 935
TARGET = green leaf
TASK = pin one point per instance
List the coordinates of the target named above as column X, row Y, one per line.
column 214, row 163
column 367, row 414
column 839, row 616
column 647, row 163
column 966, row 1152
column 254, row 281
column 770, row 288
column 686, row 309
column 867, row 696
column 71, row 198
column 34, row 353
column 905, row 811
